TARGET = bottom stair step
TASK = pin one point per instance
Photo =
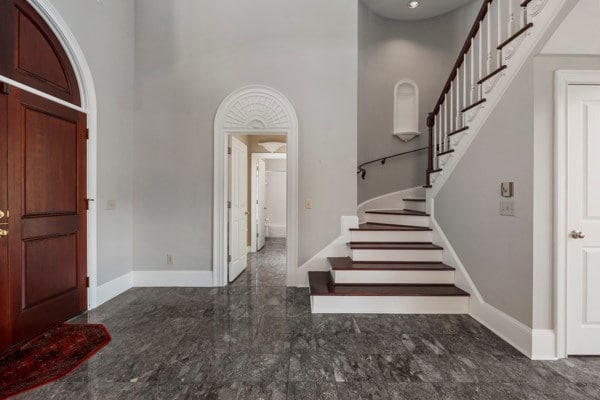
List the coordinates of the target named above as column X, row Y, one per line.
column 329, row 298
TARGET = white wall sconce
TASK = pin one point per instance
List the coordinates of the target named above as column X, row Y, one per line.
column 272, row 147
column 406, row 110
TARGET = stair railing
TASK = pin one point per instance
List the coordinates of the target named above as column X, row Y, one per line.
column 481, row 60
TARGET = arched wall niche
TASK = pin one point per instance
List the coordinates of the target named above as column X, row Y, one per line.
column 31, row 54
column 406, row 110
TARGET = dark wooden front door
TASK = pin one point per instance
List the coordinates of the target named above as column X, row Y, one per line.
column 46, row 193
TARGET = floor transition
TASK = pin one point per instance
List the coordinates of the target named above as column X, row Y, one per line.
column 258, row 340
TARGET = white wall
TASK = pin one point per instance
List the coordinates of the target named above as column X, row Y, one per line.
column 497, row 251
column 189, row 56
column 389, row 50
column 105, row 32
column 579, row 32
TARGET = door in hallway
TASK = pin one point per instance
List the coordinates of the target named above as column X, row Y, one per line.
column 43, row 202
column 583, row 220
column 261, row 226
column 238, row 208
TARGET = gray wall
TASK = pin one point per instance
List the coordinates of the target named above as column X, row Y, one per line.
column 497, row 251
column 105, row 32
column 189, row 56
column 543, row 200
column 390, row 50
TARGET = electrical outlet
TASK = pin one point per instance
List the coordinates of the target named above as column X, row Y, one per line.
column 111, row 205
column 308, row 204
column 507, row 208
column 169, row 259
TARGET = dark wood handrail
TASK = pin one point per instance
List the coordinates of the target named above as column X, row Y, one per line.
column 461, row 57
column 361, row 168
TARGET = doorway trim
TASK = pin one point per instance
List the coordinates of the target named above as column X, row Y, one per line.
column 562, row 80
column 88, row 106
column 253, row 110
column 254, row 195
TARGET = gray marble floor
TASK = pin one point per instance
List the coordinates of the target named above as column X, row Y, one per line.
column 256, row 339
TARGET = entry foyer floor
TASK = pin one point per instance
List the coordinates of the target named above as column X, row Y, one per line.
column 257, row 339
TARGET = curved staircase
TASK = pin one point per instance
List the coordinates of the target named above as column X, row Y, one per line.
column 393, row 268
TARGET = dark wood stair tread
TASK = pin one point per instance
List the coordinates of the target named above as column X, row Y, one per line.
column 393, row 246
column 392, row 228
column 418, row 200
column 347, row 264
column 398, row 212
column 321, row 284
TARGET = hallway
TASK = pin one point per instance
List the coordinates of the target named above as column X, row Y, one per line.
column 258, row 340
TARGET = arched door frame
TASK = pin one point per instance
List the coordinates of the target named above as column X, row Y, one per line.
column 89, row 107
column 254, row 109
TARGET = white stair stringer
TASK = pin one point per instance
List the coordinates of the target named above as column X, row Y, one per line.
column 544, row 15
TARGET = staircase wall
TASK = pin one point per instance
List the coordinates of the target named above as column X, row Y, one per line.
column 389, row 50
column 497, row 251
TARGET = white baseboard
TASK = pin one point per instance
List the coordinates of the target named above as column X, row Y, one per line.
column 114, row 288
column 544, row 345
column 172, row 279
column 512, row 331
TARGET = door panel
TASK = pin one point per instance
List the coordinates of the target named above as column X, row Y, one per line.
column 583, row 203
column 238, row 213
column 47, row 224
column 261, row 207
column 4, row 287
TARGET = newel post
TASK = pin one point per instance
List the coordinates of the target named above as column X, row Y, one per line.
column 430, row 123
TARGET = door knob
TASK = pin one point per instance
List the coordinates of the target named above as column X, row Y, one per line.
column 3, row 232
column 577, row 235
column 2, row 214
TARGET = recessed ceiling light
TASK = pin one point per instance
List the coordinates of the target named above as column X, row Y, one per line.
column 413, row 4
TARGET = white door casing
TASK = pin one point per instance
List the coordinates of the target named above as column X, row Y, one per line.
column 253, row 110
column 261, row 190
column 238, row 210
column 583, row 220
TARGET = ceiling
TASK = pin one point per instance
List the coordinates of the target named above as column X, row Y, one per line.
column 398, row 9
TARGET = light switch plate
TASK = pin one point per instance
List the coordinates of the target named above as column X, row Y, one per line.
column 308, row 204
column 507, row 208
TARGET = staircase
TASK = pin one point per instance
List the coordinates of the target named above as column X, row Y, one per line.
column 393, row 267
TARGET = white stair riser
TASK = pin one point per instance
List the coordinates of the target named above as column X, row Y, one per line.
column 389, row 304
column 389, row 277
column 415, row 220
column 392, row 236
column 397, row 255
column 415, row 206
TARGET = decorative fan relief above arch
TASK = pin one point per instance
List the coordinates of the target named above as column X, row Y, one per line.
column 257, row 111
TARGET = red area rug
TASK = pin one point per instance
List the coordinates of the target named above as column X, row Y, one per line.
column 49, row 356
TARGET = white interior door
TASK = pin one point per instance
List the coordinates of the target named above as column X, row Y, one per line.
column 261, row 182
column 238, row 211
column 583, row 220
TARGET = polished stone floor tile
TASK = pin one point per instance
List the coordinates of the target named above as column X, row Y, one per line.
column 257, row 339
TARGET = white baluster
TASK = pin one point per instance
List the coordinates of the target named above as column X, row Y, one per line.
column 457, row 120
column 489, row 39
column 480, row 51
column 435, row 142
column 473, row 80
column 451, row 107
column 445, row 122
column 465, row 82
column 511, row 18
column 438, row 124
column 499, row 22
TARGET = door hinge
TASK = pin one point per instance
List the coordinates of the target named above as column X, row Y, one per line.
column 87, row 281
column 229, row 150
column 87, row 133
column 5, row 88
column 87, row 203
column 228, row 204
column 229, row 258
